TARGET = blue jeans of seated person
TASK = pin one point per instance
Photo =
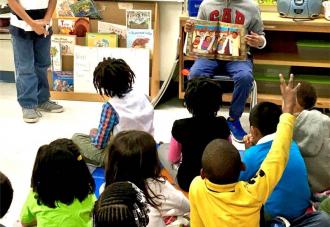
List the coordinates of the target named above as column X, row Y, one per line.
column 32, row 59
column 239, row 71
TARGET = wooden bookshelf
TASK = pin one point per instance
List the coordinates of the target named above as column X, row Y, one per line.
column 113, row 11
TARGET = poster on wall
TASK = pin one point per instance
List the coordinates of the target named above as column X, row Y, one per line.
column 87, row 58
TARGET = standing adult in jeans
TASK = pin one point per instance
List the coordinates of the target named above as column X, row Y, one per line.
column 29, row 27
column 237, row 12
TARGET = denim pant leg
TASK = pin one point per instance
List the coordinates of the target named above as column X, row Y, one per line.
column 241, row 72
column 41, row 65
column 26, row 78
column 203, row 67
column 315, row 219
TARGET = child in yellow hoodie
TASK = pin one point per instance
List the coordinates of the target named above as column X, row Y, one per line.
column 217, row 198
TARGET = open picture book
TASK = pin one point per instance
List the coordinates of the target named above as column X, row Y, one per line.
column 216, row 40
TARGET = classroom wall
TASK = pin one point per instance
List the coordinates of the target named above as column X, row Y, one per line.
column 169, row 32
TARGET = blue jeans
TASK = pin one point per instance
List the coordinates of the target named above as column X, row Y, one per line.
column 32, row 59
column 239, row 71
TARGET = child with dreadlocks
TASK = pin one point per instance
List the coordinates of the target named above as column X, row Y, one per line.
column 126, row 109
column 133, row 157
column 121, row 204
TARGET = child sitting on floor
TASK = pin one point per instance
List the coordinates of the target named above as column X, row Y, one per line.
column 133, row 157
column 217, row 198
column 312, row 134
column 291, row 196
column 191, row 135
column 62, row 188
column 6, row 194
column 121, row 204
column 125, row 110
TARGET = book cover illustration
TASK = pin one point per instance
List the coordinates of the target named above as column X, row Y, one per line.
column 140, row 38
column 105, row 27
column 55, row 55
column 101, row 40
column 63, row 81
column 67, row 43
column 78, row 26
column 266, row 2
column 138, row 19
column 217, row 40
column 63, row 8
column 85, row 8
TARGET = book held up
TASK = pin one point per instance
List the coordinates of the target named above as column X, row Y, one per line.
column 216, row 40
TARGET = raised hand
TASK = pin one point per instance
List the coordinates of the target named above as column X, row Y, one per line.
column 289, row 94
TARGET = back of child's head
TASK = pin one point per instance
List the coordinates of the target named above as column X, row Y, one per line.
column 221, row 162
column 306, row 95
column 133, row 157
column 121, row 204
column 60, row 174
column 6, row 194
column 265, row 116
column 113, row 77
column 203, row 97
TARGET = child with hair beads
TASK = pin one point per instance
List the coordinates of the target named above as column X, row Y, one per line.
column 125, row 110
column 191, row 135
column 312, row 134
column 62, row 188
column 133, row 157
column 121, row 204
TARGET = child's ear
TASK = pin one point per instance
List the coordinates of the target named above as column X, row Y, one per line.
column 243, row 166
column 202, row 173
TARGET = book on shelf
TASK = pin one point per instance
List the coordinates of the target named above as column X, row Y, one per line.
column 266, row 2
column 85, row 8
column 63, row 8
column 55, row 56
column 140, row 38
column 101, row 40
column 78, row 26
column 62, row 81
column 106, row 27
column 67, row 43
column 216, row 40
column 138, row 19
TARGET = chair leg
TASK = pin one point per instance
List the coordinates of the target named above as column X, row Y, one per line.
column 254, row 95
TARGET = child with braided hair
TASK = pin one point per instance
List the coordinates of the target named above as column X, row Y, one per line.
column 121, row 204
column 126, row 109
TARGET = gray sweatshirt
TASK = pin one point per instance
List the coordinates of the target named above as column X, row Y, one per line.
column 244, row 12
column 312, row 134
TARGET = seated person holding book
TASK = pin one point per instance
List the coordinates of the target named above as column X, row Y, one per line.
column 235, row 12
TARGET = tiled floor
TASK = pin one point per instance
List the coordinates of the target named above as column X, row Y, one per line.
column 20, row 141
